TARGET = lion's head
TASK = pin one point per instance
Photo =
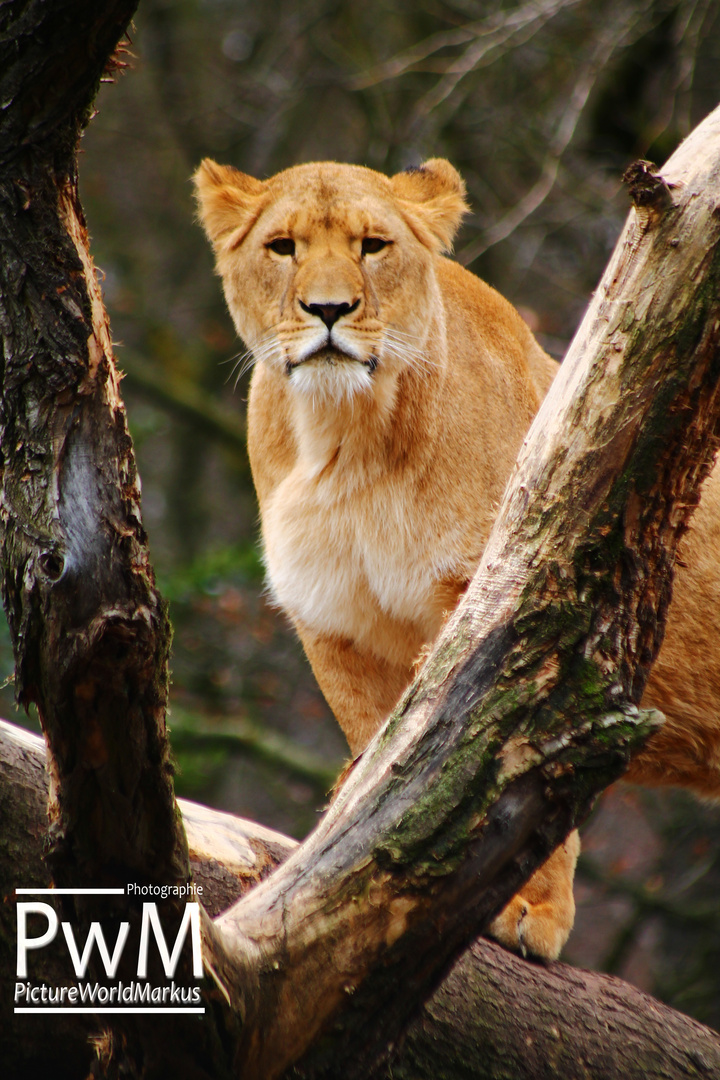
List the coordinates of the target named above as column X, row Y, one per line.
column 328, row 268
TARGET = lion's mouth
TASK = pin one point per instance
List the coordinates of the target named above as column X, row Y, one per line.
column 331, row 356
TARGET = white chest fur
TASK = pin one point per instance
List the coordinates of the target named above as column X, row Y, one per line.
column 343, row 562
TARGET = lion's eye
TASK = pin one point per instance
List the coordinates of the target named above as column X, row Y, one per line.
column 372, row 244
column 282, row 246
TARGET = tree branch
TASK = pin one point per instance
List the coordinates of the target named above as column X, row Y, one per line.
column 493, row 1015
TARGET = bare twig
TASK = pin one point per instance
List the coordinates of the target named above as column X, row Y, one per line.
column 485, row 38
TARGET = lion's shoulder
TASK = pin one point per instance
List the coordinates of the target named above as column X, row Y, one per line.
column 479, row 316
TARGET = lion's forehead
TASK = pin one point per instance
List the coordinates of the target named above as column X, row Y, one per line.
column 327, row 177
column 334, row 199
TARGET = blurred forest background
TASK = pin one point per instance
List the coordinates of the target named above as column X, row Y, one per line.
column 541, row 105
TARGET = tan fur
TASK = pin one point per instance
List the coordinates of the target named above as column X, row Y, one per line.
column 381, row 436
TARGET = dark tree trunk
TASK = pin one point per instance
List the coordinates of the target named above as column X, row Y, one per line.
column 90, row 632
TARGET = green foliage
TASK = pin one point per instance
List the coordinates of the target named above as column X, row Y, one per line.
column 210, row 571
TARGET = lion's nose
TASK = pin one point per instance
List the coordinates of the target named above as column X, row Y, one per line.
column 329, row 313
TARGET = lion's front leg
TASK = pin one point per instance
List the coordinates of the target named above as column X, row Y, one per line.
column 538, row 920
column 360, row 687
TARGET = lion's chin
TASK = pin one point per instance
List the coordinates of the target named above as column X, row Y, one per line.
column 331, row 377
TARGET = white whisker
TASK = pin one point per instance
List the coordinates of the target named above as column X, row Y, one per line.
column 232, row 359
column 402, row 347
column 262, row 350
column 243, row 361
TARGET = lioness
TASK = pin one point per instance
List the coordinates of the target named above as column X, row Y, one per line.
column 390, row 395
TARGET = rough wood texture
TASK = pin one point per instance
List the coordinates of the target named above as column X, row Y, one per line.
column 90, row 631
column 494, row 1016
column 52, row 58
column 559, row 1023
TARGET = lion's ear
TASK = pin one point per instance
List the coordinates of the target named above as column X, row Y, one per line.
column 229, row 203
column 436, row 194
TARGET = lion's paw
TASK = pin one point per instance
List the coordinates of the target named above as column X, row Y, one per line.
column 537, row 930
column 538, row 920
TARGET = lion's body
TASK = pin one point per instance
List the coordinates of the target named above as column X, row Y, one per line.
column 359, row 546
column 392, row 394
